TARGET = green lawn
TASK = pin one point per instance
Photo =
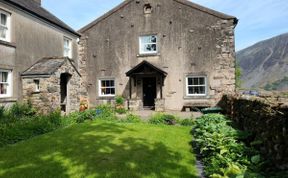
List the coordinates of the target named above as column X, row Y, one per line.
column 103, row 149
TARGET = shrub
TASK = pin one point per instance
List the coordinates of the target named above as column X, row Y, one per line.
column 131, row 118
column 105, row 112
column 221, row 151
column 28, row 127
column 120, row 110
column 161, row 118
column 187, row 122
column 20, row 110
column 119, row 100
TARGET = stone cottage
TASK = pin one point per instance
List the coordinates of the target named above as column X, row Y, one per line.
column 29, row 36
column 162, row 54
column 51, row 81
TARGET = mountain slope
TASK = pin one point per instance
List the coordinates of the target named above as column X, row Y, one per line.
column 265, row 63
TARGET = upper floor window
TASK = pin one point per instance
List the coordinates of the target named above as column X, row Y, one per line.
column 5, row 83
column 4, row 26
column 148, row 44
column 67, row 47
column 196, row 86
column 107, row 87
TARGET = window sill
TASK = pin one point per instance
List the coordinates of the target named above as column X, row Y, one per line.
column 9, row 44
column 106, row 97
column 7, row 99
column 197, row 97
column 148, row 55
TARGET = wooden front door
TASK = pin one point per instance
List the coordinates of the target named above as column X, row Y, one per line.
column 149, row 91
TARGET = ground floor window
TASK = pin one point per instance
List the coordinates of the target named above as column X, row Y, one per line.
column 196, row 85
column 106, row 87
column 5, row 83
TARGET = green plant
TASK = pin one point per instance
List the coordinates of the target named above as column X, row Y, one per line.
column 105, row 112
column 120, row 110
column 20, row 110
column 131, row 118
column 119, row 100
column 222, row 152
column 187, row 122
column 162, row 118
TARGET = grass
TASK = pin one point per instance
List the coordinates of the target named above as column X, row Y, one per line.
column 103, row 149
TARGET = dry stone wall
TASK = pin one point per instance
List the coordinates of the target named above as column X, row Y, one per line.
column 267, row 120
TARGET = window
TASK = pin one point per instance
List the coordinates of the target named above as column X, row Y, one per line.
column 4, row 26
column 37, row 85
column 148, row 44
column 67, row 48
column 196, row 86
column 106, row 87
column 5, row 83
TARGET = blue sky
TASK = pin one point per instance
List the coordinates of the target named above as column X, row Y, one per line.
column 258, row 19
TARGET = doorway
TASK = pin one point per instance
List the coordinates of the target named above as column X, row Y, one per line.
column 64, row 81
column 149, row 92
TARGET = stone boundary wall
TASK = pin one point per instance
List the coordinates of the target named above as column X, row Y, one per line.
column 267, row 120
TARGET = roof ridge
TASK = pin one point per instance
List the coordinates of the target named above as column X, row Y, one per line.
column 184, row 2
column 37, row 10
column 104, row 16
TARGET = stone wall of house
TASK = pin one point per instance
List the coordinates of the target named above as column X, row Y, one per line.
column 223, row 80
column 48, row 98
column 191, row 42
column 267, row 120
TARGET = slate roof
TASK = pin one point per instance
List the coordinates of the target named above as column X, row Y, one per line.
column 47, row 66
column 184, row 2
column 32, row 7
column 139, row 68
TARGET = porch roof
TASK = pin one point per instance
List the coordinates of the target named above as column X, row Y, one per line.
column 145, row 68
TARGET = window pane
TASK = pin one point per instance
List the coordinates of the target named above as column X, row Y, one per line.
column 202, row 81
column 190, row 90
column 202, row 90
column 190, row 81
column 112, row 83
column 150, row 47
column 3, row 88
column 3, row 76
column 103, row 83
column 3, row 32
column 153, row 39
column 3, row 20
column 195, row 81
column 113, row 91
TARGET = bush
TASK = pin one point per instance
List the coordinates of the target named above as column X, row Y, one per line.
column 131, row 118
column 20, row 110
column 105, row 112
column 161, row 118
column 221, row 151
column 13, row 132
column 187, row 122
column 120, row 110
column 119, row 100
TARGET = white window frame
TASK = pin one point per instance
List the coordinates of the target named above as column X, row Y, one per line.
column 67, row 48
column 8, row 26
column 187, row 85
column 100, row 87
column 141, row 44
column 9, row 82
column 37, row 85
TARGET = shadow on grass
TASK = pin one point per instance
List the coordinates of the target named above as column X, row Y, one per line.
column 92, row 150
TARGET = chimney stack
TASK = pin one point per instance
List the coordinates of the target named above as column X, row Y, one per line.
column 37, row 2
